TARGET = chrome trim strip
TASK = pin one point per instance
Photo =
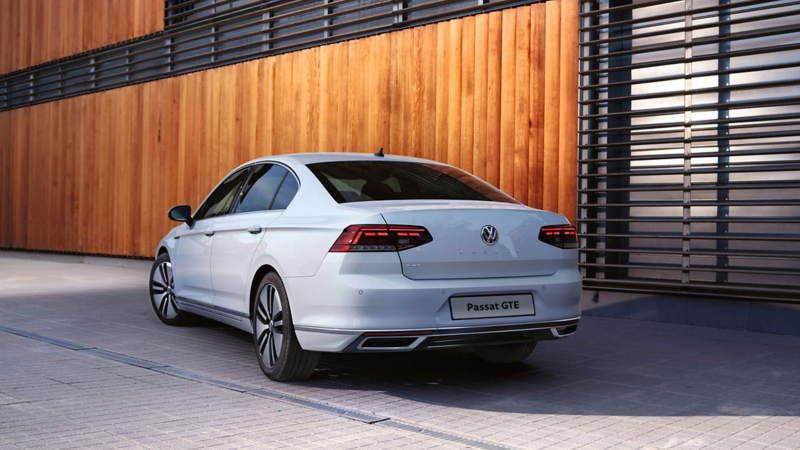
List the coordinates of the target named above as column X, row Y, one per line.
column 413, row 345
column 556, row 334
column 533, row 325
column 212, row 309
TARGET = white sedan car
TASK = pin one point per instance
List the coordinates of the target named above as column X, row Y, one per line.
column 333, row 252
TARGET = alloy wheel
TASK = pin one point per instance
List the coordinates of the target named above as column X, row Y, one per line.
column 269, row 325
column 164, row 291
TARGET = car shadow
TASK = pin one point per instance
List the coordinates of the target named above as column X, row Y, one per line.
column 645, row 379
column 667, row 370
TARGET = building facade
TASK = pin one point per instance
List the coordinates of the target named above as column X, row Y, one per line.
column 665, row 130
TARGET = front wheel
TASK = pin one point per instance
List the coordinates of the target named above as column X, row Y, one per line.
column 162, row 293
column 279, row 354
column 505, row 353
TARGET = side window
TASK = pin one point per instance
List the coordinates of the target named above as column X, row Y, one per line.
column 220, row 201
column 286, row 193
column 259, row 192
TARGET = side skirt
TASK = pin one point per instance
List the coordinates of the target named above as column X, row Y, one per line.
column 232, row 318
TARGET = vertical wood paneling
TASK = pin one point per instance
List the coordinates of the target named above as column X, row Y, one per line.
column 427, row 45
column 494, row 80
column 552, row 90
column 480, row 108
column 522, row 95
column 536, row 108
column 135, row 239
column 37, row 31
column 442, row 90
column 454, row 95
column 467, row 93
column 568, row 107
column 508, row 77
column 6, row 19
column 493, row 94
column 5, row 178
column 380, row 59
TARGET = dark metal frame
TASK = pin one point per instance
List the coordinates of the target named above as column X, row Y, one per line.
column 690, row 206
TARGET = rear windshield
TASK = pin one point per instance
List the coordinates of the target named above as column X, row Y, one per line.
column 362, row 181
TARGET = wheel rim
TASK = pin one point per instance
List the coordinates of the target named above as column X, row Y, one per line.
column 164, row 291
column 269, row 325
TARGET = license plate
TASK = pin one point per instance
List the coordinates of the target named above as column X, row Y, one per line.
column 491, row 306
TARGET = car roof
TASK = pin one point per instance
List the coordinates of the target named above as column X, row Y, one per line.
column 312, row 158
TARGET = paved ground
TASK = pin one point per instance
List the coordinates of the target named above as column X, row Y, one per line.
column 616, row 384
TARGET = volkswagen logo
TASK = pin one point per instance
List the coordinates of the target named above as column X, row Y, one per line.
column 489, row 235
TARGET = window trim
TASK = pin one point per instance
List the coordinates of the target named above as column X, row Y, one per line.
column 235, row 204
column 249, row 166
column 277, row 191
column 232, row 174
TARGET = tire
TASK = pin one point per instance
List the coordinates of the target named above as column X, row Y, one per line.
column 279, row 354
column 162, row 294
column 505, row 353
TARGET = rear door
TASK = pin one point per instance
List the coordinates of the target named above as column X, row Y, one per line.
column 459, row 250
column 236, row 236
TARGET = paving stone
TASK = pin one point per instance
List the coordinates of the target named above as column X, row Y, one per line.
column 615, row 384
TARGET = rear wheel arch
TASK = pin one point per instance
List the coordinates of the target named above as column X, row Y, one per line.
column 260, row 273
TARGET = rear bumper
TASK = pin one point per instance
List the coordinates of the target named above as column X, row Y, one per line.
column 347, row 298
column 402, row 341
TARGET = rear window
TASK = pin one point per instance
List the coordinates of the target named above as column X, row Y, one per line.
column 363, row 181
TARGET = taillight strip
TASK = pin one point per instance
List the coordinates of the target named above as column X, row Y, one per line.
column 561, row 236
column 381, row 238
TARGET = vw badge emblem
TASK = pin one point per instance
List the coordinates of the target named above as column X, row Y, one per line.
column 489, row 235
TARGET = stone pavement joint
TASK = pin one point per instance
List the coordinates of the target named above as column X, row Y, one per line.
column 350, row 414
column 260, row 392
column 49, row 340
column 443, row 435
column 121, row 358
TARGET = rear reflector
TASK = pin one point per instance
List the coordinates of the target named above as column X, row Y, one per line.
column 380, row 238
column 563, row 236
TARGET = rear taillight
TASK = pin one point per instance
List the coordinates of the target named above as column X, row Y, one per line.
column 563, row 236
column 380, row 238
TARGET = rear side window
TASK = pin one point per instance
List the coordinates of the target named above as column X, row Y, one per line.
column 260, row 190
column 220, row 201
column 286, row 193
column 361, row 181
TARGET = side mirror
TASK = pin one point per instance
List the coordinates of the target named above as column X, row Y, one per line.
column 181, row 213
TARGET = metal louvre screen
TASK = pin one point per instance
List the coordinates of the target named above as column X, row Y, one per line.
column 689, row 147
column 200, row 34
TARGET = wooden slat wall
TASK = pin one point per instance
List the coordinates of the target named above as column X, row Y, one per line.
column 37, row 31
column 495, row 94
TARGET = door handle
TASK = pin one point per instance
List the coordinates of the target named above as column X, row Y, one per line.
column 255, row 229
column 209, row 233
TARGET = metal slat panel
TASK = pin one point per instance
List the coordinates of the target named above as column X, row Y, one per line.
column 688, row 150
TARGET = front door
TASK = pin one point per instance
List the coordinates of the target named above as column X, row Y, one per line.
column 192, row 265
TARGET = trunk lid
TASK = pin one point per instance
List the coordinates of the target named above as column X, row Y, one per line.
column 459, row 251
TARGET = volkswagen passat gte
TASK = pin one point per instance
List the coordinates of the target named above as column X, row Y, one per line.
column 359, row 253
